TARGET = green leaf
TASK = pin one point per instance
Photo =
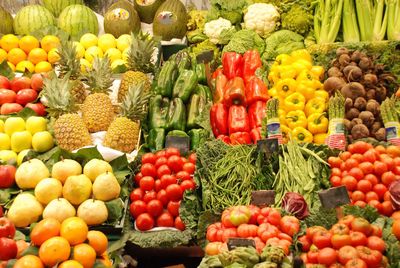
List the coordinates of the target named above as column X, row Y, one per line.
column 26, row 112
column 51, row 30
column 10, row 263
column 84, row 155
column 6, row 71
column 160, row 239
column 119, row 163
column 19, row 236
column 206, row 218
column 322, row 217
column 118, row 245
column 369, row 213
column 31, row 250
column 189, row 210
column 115, row 210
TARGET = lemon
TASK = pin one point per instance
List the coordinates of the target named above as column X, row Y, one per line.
column 24, row 66
column 89, row 40
column 93, row 52
column 28, row 42
column 80, row 50
column 3, row 55
column 125, row 54
column 107, row 41
column 12, row 66
column 5, row 141
column 16, row 55
column 43, row 67
column 1, row 126
column 8, row 42
column 53, row 56
column 85, row 64
column 49, row 42
column 21, row 156
column 123, row 42
column 113, row 54
column 8, row 156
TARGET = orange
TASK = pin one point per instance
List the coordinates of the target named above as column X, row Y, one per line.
column 105, row 260
column 8, row 42
column 25, row 66
column 43, row 67
column 54, row 250
column 28, row 42
column 3, row 55
column 29, row 261
column 16, row 55
column 396, row 229
column 37, row 55
column 98, row 241
column 70, row 264
column 49, row 42
column 53, row 56
column 85, row 255
column 75, row 230
column 45, row 230
column 392, row 150
column 396, row 215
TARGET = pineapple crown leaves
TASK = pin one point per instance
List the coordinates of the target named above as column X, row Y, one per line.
column 140, row 53
column 69, row 61
column 99, row 77
column 134, row 105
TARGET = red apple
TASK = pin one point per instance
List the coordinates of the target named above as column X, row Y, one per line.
column 9, row 108
column 7, row 176
column 7, row 228
column 19, row 83
column 8, row 249
column 37, row 82
column 38, row 108
column 7, row 96
column 4, row 82
column 25, row 96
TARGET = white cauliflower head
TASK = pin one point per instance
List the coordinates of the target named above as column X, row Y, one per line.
column 261, row 18
column 214, row 28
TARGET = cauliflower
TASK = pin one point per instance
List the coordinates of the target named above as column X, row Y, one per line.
column 261, row 18
column 214, row 28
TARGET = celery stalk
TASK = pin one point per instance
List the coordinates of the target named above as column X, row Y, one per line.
column 327, row 19
column 351, row 32
column 365, row 16
column 381, row 20
column 393, row 27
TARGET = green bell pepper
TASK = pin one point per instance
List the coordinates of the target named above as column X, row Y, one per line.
column 166, row 79
column 195, row 107
column 158, row 111
column 198, row 137
column 156, row 139
column 184, row 85
column 176, row 118
column 183, row 60
column 177, row 133
column 201, row 73
column 204, row 91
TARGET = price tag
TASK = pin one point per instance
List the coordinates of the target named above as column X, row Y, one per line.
column 267, row 147
column 334, row 197
column 180, row 143
column 240, row 242
column 263, row 197
column 205, row 57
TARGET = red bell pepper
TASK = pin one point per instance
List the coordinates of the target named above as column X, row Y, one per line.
column 217, row 72
column 219, row 119
column 238, row 120
column 257, row 114
column 224, row 138
column 256, row 90
column 255, row 134
column 232, row 63
column 234, row 92
column 251, row 62
column 240, row 138
column 220, row 83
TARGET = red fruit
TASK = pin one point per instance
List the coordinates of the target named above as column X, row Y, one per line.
column 4, row 82
column 175, row 163
column 182, row 176
column 163, row 197
column 387, row 178
column 358, row 239
column 322, row 239
column 8, row 249
column 144, row 222
column 7, row 228
column 173, row 208
column 7, row 176
column 361, row 225
column 136, row 194
column 10, row 108
column 189, row 168
column 37, row 82
column 38, row 108
column 150, row 195
column 364, row 186
column 188, row 185
column 179, row 224
column 19, row 83
column 155, row 208
column 7, row 96
column 174, row 192
column 137, row 207
column 346, row 253
column 165, row 220
column 327, row 256
column 147, row 183
column 25, row 96
column 148, row 169
column 380, row 168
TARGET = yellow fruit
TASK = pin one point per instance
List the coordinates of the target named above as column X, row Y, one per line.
column 74, row 230
column 8, row 42
column 85, row 64
column 28, row 42
column 21, row 156
column 55, row 250
column 85, row 255
column 5, row 141
column 125, row 54
column 107, row 41
column 123, row 42
column 98, row 241
column 93, row 52
column 24, row 66
column 1, row 126
column 3, row 55
column 28, row 261
column 70, row 264
column 114, row 54
column 80, row 50
column 43, row 67
column 89, row 40
column 53, row 56
column 12, row 66
column 37, row 55
column 16, row 55
column 49, row 42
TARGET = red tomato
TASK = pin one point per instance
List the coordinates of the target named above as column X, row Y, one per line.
column 172, row 151
column 387, row 208
column 155, row 208
column 274, row 217
column 371, row 257
column 137, row 207
column 4, row 82
column 165, row 220
column 360, row 204
column 7, row 96
column 380, row 190
column 346, row 253
column 192, row 158
column 184, row 160
column 189, row 168
column 247, row 230
column 283, row 236
column 150, row 195
column 173, row 208
column 336, row 181
column 351, row 163
column 389, row 162
column 334, row 162
column 364, row 186
column 148, row 170
column 358, row 157
column 183, row 176
column 226, row 218
column 214, row 232
column 174, row 192
column 144, row 222
column 254, row 212
column 305, row 243
column 175, row 163
column 149, row 158
column 289, row 225
column 360, row 147
column 366, row 167
column 136, row 194
column 311, row 231
column 163, row 197
column 348, row 219
column 376, row 243
column 160, row 154
column 138, row 177
column 188, row 185
column 345, row 155
column 229, row 233
column 380, row 168
column 397, row 160
column 350, row 182
column 371, row 196
column 340, row 228
column 147, row 183
column 358, row 239
column 376, row 204
column 371, row 178
column 358, row 196
column 163, row 170
column 167, row 180
column 336, row 172
column 327, row 256
column 376, row 230
column 396, row 169
column 388, row 177
column 322, row 239
column 386, row 196
column 157, row 186
column 179, row 224
column 312, row 255
column 266, row 231
column 357, row 173
column 356, row 263
column 340, row 240
column 161, row 161
column 361, row 225
column 370, row 156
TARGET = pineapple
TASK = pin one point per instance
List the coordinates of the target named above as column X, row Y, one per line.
column 69, row 62
column 139, row 63
column 69, row 129
column 97, row 109
column 123, row 133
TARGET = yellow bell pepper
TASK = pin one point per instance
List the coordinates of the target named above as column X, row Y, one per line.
column 320, row 138
column 294, row 101
column 300, row 65
column 318, row 72
column 302, row 135
column 306, row 90
column 286, row 133
column 315, row 105
column 273, row 92
column 301, row 54
column 282, row 116
column 273, row 76
column 285, row 87
column 322, row 94
column 287, row 71
column 317, row 123
column 296, row 119
column 305, row 75
column 284, row 59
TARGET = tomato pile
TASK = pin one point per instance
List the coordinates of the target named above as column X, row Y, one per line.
column 265, row 225
column 162, row 180
column 367, row 173
column 352, row 242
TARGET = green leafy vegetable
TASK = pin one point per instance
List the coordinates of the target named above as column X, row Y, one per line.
column 282, row 42
column 369, row 213
column 297, row 19
column 227, row 9
column 244, row 40
column 160, row 239
column 327, row 19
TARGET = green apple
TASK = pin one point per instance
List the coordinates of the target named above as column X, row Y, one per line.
column 36, row 124
column 14, row 124
column 8, row 156
column 21, row 156
column 42, row 141
column 5, row 141
column 1, row 126
column 21, row 140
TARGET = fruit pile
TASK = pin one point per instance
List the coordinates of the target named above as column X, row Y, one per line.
column 367, row 173
column 9, row 247
column 265, row 225
column 352, row 242
column 162, row 180
column 28, row 54
column 21, row 92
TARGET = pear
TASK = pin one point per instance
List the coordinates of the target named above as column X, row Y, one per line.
column 30, row 173
column 95, row 167
column 14, row 124
column 77, row 189
column 25, row 210
column 93, row 212
column 106, row 187
column 65, row 168
column 59, row 209
column 47, row 190
column 36, row 124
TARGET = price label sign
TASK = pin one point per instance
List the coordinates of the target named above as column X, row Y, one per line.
column 263, row 198
column 240, row 242
column 268, row 146
column 334, row 197
column 205, row 57
column 180, row 143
